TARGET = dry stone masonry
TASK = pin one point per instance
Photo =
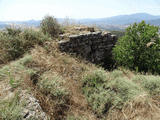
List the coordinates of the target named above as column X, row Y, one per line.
column 93, row 46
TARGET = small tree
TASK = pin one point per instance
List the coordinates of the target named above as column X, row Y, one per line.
column 139, row 49
column 49, row 25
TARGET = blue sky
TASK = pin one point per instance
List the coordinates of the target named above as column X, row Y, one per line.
column 37, row 9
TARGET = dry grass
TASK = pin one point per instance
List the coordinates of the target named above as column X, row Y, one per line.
column 117, row 96
column 44, row 63
column 36, row 72
column 76, row 30
column 14, row 42
column 141, row 108
column 10, row 109
column 71, row 70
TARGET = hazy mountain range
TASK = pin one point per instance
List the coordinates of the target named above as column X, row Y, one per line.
column 112, row 23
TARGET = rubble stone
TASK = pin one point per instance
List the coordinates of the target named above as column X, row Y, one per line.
column 32, row 109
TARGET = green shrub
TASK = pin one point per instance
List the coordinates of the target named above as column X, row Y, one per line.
column 13, row 31
column 94, row 78
column 49, row 25
column 139, row 49
column 116, row 73
column 11, row 45
column 15, row 42
column 52, row 84
column 105, row 91
column 149, row 83
column 31, row 37
column 123, row 90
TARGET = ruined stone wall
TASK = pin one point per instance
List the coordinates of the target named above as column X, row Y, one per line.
column 94, row 46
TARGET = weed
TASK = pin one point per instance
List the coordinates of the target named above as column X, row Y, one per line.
column 52, row 84
column 11, row 109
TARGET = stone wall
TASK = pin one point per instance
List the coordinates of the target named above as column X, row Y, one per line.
column 93, row 46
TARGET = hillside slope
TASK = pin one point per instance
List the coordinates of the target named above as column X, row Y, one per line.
column 44, row 83
column 71, row 89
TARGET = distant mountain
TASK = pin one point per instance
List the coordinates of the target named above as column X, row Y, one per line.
column 2, row 25
column 121, row 19
column 154, row 22
column 112, row 23
column 34, row 23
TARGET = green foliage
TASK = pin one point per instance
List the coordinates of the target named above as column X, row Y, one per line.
column 13, row 82
column 11, row 109
column 149, row 83
column 116, row 73
column 16, row 72
column 10, row 44
column 94, row 79
column 15, row 42
column 106, row 91
column 139, row 49
column 52, row 84
column 49, row 25
column 31, row 37
column 13, row 31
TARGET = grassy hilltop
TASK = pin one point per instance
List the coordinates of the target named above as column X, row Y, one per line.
column 38, row 82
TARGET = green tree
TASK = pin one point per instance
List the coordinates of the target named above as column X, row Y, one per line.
column 139, row 49
column 49, row 25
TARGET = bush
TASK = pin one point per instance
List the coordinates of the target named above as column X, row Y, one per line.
column 94, row 78
column 31, row 37
column 15, row 42
column 11, row 44
column 52, row 84
column 49, row 25
column 105, row 92
column 150, row 83
column 139, row 49
column 92, row 88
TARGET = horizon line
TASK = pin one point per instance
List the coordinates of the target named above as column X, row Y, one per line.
column 67, row 17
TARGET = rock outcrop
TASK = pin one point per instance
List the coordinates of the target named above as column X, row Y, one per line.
column 32, row 109
column 95, row 47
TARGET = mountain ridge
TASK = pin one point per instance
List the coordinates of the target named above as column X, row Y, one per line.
column 123, row 19
column 117, row 22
